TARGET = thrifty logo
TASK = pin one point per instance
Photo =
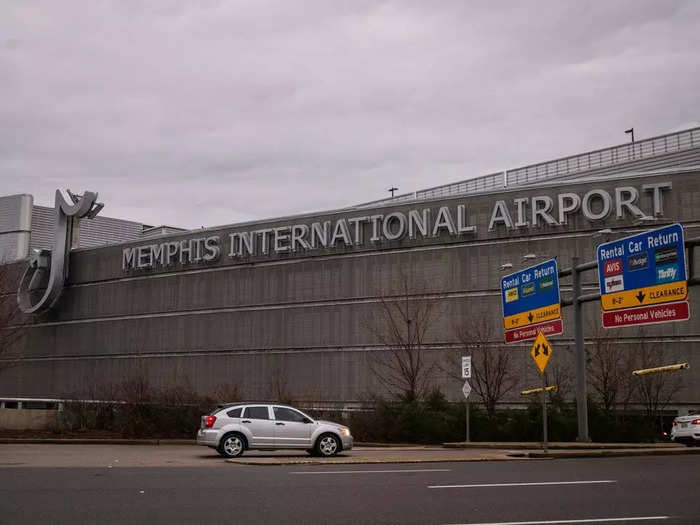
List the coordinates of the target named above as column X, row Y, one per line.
column 667, row 274
column 511, row 295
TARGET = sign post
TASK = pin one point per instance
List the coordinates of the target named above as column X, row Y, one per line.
column 541, row 351
column 643, row 278
column 467, row 388
column 531, row 302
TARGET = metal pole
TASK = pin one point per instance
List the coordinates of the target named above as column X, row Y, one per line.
column 581, row 395
column 544, row 412
column 467, row 420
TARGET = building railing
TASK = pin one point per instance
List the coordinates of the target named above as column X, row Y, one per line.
column 602, row 158
column 597, row 159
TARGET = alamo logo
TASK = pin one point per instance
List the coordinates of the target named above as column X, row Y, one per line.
column 667, row 274
column 614, row 284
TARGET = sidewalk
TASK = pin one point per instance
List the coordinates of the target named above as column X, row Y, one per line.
column 179, row 452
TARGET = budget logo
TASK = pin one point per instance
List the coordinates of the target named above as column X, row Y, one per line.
column 511, row 295
column 665, row 255
column 667, row 274
column 613, row 267
column 614, row 284
column 528, row 289
column 638, row 262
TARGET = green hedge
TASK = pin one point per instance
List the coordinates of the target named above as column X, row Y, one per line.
column 437, row 421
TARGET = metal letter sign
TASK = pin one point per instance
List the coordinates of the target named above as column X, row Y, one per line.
column 466, row 366
column 531, row 303
column 541, row 351
column 48, row 270
column 643, row 278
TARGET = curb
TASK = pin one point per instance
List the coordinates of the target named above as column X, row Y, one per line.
column 565, row 446
column 81, row 441
column 605, row 453
column 366, row 461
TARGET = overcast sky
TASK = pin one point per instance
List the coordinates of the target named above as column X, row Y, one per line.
column 206, row 113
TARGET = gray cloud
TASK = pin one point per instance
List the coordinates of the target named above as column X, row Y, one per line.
column 215, row 112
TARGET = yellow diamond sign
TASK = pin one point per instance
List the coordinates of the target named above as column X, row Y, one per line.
column 541, row 351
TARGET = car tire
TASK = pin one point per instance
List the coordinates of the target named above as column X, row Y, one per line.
column 232, row 445
column 311, row 452
column 327, row 445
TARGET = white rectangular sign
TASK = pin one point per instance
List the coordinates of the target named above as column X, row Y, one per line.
column 466, row 366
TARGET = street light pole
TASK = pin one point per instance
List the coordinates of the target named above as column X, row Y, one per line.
column 581, row 394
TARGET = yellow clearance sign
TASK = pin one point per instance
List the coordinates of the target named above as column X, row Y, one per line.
column 539, row 315
column 660, row 293
column 541, row 351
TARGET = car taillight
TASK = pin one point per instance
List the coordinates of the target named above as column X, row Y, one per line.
column 209, row 421
column 695, row 422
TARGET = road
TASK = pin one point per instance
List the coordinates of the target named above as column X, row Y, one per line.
column 659, row 489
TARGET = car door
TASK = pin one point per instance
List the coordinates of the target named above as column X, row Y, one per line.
column 292, row 428
column 256, row 418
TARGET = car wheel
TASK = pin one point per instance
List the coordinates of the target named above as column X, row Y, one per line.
column 232, row 445
column 327, row 445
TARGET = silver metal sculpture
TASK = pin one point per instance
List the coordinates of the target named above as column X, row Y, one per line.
column 48, row 269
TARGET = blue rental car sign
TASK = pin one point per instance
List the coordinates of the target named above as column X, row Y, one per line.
column 643, row 278
column 531, row 302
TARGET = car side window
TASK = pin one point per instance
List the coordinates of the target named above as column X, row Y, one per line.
column 256, row 413
column 236, row 412
column 287, row 414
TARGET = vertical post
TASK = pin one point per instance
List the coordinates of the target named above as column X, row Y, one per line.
column 581, row 395
column 544, row 413
column 467, row 420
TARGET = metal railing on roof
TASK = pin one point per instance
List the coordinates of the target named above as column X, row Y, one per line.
column 574, row 164
column 606, row 157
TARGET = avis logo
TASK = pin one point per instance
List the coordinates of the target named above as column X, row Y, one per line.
column 667, row 274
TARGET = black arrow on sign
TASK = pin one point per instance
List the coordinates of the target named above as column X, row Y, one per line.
column 640, row 296
column 537, row 350
column 545, row 349
column 530, row 316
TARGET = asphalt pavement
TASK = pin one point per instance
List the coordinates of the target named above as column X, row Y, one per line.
column 207, row 489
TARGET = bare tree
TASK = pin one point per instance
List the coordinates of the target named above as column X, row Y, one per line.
column 655, row 391
column 279, row 383
column 12, row 327
column 400, row 325
column 493, row 376
column 559, row 373
column 610, row 365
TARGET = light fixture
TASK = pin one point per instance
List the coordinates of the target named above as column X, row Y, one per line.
column 506, row 266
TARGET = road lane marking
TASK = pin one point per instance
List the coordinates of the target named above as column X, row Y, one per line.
column 373, row 471
column 532, row 484
column 558, row 522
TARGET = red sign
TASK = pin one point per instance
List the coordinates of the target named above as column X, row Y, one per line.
column 657, row 313
column 613, row 267
column 515, row 335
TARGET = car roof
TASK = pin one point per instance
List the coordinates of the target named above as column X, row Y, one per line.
column 246, row 403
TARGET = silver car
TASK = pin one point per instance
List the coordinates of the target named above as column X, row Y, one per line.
column 233, row 428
